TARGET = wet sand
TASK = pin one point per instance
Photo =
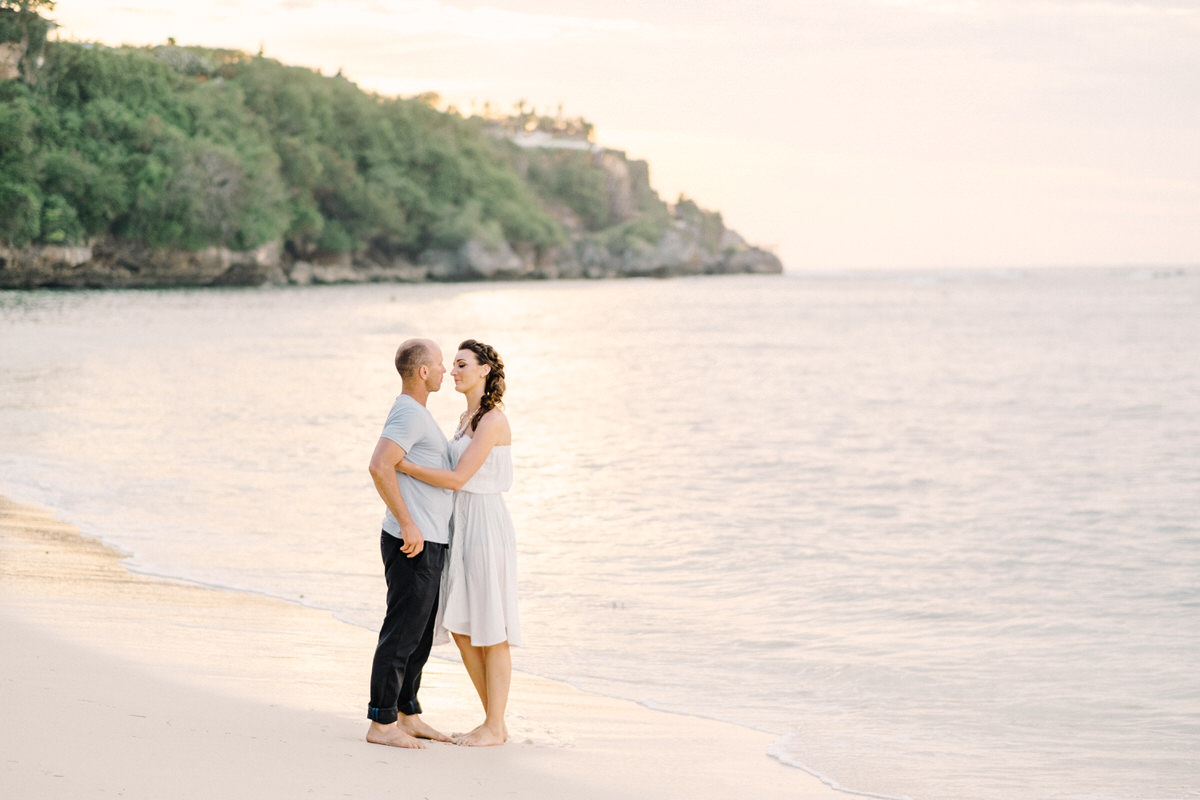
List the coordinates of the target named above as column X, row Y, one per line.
column 115, row 684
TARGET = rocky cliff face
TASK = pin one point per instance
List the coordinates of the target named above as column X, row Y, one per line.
column 11, row 54
column 111, row 264
column 22, row 40
column 108, row 264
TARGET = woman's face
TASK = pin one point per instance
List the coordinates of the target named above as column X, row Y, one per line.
column 467, row 372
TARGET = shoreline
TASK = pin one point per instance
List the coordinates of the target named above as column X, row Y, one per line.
column 119, row 682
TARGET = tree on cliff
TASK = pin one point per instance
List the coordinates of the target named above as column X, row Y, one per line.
column 187, row 148
column 34, row 6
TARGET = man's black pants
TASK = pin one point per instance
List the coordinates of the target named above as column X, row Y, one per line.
column 406, row 636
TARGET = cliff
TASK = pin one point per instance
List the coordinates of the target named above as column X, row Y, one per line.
column 112, row 263
column 172, row 166
column 22, row 37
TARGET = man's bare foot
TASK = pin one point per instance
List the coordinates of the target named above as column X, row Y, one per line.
column 393, row 736
column 417, row 728
column 483, row 736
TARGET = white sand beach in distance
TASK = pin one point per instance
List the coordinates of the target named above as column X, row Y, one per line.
column 119, row 685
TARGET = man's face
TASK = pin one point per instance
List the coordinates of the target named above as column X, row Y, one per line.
column 436, row 370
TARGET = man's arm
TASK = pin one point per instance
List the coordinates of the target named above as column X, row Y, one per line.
column 493, row 430
column 383, row 471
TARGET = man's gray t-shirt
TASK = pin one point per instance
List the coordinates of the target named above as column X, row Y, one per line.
column 411, row 426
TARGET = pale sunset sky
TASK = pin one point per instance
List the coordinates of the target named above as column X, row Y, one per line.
column 839, row 133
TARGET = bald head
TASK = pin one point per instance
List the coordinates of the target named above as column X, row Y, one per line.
column 419, row 362
column 416, row 353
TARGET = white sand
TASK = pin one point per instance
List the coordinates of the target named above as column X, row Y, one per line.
column 117, row 685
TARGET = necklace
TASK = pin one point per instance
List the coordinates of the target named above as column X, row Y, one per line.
column 464, row 422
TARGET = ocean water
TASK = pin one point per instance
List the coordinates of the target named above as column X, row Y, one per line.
column 937, row 531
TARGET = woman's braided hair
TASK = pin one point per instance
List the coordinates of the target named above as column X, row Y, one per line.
column 493, row 386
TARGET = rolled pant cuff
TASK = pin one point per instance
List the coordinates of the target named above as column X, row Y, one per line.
column 384, row 716
column 410, row 708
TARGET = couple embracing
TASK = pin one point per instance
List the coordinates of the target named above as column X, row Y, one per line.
column 467, row 589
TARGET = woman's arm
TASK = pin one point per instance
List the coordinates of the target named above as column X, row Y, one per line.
column 492, row 430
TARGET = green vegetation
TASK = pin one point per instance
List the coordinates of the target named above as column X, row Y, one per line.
column 572, row 178
column 187, row 148
column 708, row 223
column 568, row 177
column 28, row 5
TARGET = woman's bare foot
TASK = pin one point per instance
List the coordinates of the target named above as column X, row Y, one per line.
column 393, row 736
column 483, row 736
column 474, row 730
column 417, row 728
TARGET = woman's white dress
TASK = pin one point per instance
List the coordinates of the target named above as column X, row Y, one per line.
column 479, row 586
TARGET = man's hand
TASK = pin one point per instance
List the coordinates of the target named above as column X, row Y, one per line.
column 414, row 540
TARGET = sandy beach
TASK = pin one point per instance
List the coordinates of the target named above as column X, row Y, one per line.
column 115, row 684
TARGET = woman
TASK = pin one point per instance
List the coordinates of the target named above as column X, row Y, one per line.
column 479, row 600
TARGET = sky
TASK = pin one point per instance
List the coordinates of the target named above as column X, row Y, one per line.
column 840, row 134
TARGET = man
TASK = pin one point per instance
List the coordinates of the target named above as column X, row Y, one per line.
column 416, row 532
